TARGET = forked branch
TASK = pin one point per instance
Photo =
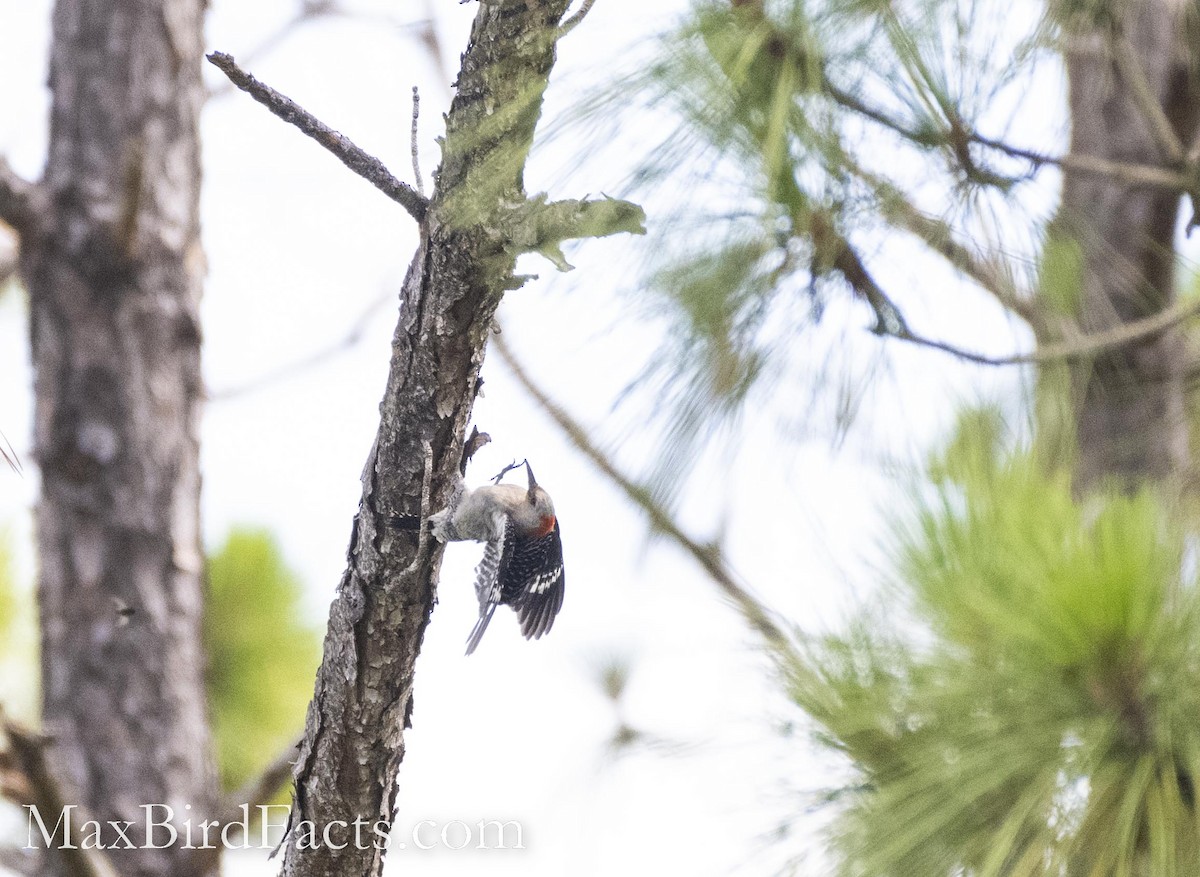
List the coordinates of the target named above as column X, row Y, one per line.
column 350, row 154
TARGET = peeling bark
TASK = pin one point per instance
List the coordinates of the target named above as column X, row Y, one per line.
column 354, row 738
column 1129, row 401
column 113, row 265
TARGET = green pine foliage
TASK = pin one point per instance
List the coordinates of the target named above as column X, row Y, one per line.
column 263, row 654
column 812, row 136
column 1029, row 702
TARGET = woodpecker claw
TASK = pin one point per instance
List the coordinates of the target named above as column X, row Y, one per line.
column 513, row 465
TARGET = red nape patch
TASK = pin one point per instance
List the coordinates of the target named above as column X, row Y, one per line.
column 546, row 526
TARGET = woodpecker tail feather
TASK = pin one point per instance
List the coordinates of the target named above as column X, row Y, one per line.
column 537, row 611
column 485, row 616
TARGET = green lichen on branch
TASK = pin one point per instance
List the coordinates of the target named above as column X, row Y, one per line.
column 541, row 226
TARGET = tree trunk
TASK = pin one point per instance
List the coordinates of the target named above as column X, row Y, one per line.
column 114, row 269
column 1130, row 422
column 354, row 738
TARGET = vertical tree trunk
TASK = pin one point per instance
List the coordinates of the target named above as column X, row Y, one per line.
column 345, row 777
column 1129, row 406
column 114, row 270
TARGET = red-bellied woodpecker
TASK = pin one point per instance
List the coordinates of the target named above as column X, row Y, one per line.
column 522, row 564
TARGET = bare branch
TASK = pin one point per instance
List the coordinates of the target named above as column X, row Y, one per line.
column 22, row 202
column 851, row 266
column 29, row 755
column 9, row 455
column 939, row 237
column 366, row 166
column 574, row 21
column 262, row 788
column 1136, row 174
column 858, row 105
column 1078, row 348
column 257, row 790
column 837, row 253
column 416, row 157
column 708, row 556
column 1131, row 69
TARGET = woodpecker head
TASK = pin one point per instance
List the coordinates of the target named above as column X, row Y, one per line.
column 540, row 504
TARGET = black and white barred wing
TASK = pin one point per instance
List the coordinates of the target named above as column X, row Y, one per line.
column 533, row 583
column 526, row 574
column 488, row 589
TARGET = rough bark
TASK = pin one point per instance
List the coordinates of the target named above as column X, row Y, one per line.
column 113, row 265
column 1129, row 401
column 354, row 738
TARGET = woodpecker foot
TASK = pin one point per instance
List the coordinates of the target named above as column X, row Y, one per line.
column 440, row 526
column 513, row 465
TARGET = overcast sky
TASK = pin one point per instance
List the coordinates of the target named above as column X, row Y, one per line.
column 298, row 251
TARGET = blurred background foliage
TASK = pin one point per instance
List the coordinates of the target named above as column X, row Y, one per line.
column 262, row 652
column 1019, row 696
column 813, row 138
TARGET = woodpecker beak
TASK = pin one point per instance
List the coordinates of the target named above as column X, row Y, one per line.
column 532, row 481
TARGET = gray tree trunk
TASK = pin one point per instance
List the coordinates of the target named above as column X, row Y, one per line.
column 354, row 739
column 113, row 264
column 1130, row 421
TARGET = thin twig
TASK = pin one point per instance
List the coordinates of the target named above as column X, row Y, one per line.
column 1137, row 174
column 416, row 156
column 10, row 455
column 261, row 788
column 352, row 337
column 856, row 104
column 1080, row 347
column 851, row 266
column 889, row 323
column 1131, row 68
column 845, row 260
column 29, row 753
column 938, row 236
column 573, row 22
column 352, row 156
column 708, row 556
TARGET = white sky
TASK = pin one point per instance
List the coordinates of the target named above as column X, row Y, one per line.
column 298, row 248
